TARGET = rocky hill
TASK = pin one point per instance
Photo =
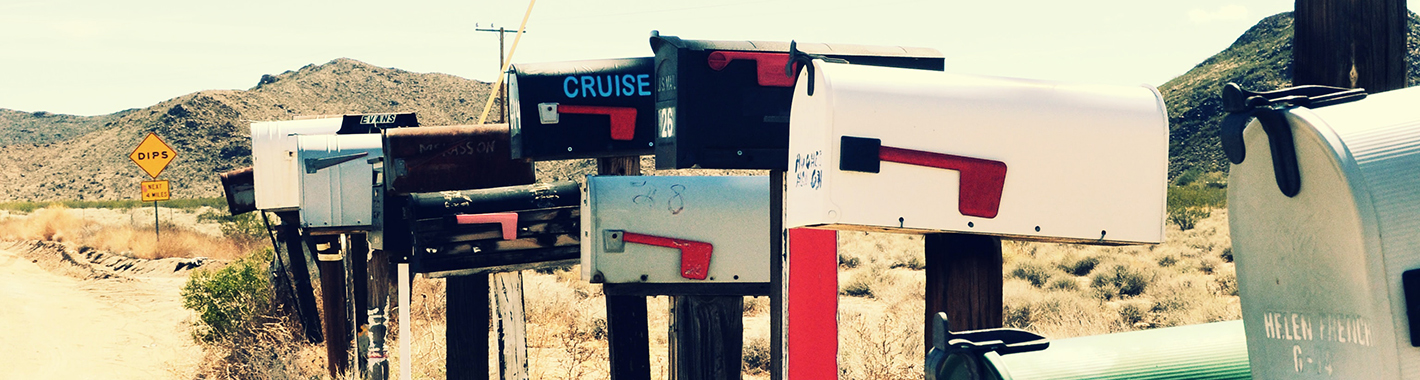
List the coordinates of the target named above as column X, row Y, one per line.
column 1261, row 59
column 50, row 157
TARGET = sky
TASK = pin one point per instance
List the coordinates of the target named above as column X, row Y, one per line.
column 88, row 57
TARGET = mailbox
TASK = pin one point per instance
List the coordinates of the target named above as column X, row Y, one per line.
column 494, row 229
column 1323, row 208
column 582, row 109
column 273, row 147
column 915, row 151
column 725, row 104
column 443, row 158
column 337, row 181
column 664, row 229
column 237, row 186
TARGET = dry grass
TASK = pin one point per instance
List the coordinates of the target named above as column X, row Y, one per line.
column 57, row 223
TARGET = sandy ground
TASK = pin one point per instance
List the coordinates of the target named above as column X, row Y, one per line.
column 56, row 324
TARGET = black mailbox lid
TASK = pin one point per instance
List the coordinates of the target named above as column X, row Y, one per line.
column 608, row 85
column 499, row 199
column 736, row 115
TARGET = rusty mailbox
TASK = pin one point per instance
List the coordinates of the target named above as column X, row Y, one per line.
column 670, row 229
column 275, row 169
column 495, row 229
column 919, row 151
column 1323, row 207
column 239, row 190
column 725, row 104
column 581, row 109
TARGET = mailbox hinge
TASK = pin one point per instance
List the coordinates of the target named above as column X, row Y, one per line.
column 694, row 255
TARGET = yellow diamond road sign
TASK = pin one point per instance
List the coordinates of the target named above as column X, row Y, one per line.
column 153, row 155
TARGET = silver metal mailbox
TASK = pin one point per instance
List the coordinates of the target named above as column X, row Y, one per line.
column 917, row 151
column 654, row 229
column 337, row 181
column 273, row 151
column 1323, row 207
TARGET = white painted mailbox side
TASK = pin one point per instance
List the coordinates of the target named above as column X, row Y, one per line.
column 729, row 212
column 1083, row 163
column 1319, row 274
column 338, row 197
column 275, row 172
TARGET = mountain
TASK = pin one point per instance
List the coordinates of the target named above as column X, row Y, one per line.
column 51, row 157
column 1260, row 60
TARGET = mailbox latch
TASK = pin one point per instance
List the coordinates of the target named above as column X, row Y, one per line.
column 694, row 255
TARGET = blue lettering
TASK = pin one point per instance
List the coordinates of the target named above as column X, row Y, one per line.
column 643, row 81
column 587, row 83
column 609, row 89
column 628, row 85
column 571, row 92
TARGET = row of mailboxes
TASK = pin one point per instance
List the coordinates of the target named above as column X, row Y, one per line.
column 1323, row 207
column 920, row 151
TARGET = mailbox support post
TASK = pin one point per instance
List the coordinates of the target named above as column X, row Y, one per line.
column 628, row 344
column 963, row 280
column 776, row 274
column 359, row 295
column 378, row 270
column 298, row 274
column 467, row 331
column 332, row 288
column 1336, row 39
column 707, row 334
column 811, row 320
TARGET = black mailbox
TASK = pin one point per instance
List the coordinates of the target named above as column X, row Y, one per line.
column 496, row 229
column 582, row 109
column 725, row 104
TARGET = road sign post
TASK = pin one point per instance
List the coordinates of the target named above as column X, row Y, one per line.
column 153, row 155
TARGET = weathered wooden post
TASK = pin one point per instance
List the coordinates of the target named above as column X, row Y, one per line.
column 628, row 340
column 1352, row 44
column 966, row 161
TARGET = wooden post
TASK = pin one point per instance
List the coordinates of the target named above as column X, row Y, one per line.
column 298, row 272
column 1350, row 43
column 357, row 281
column 332, row 290
column 776, row 274
column 628, row 343
column 963, row 280
column 379, row 282
column 467, row 327
column 511, row 325
column 707, row 334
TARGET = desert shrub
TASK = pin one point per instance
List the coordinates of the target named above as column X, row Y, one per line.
column 248, row 225
column 848, row 261
column 1168, row 260
column 1120, row 280
column 1188, row 204
column 231, row 300
column 1064, row 283
column 1036, row 273
column 860, row 285
column 1226, row 283
column 1133, row 313
column 910, row 261
column 1208, row 265
column 755, row 359
column 1227, row 254
column 1055, row 314
column 1078, row 265
column 755, row 305
column 1187, row 217
column 887, row 346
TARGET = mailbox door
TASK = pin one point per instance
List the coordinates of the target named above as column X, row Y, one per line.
column 729, row 213
column 273, row 155
column 582, row 109
column 337, row 181
column 725, row 104
column 1015, row 158
column 1320, row 274
column 240, row 192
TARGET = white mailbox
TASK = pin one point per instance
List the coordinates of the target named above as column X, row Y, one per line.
column 1324, row 205
column 273, row 155
column 878, row 148
column 656, row 229
column 337, row 181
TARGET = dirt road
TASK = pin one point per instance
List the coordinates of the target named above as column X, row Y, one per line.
column 56, row 323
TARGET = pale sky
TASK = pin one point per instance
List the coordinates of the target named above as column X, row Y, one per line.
column 90, row 57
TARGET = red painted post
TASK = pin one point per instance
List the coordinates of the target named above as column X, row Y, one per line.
column 812, row 319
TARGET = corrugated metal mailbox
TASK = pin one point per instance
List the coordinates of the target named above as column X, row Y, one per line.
column 337, row 181
column 273, row 147
column 918, row 151
column 496, row 229
column 725, row 104
column 656, row 229
column 582, row 109
column 1323, row 205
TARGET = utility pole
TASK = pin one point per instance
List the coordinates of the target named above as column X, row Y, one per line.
column 503, row 95
column 1352, row 44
